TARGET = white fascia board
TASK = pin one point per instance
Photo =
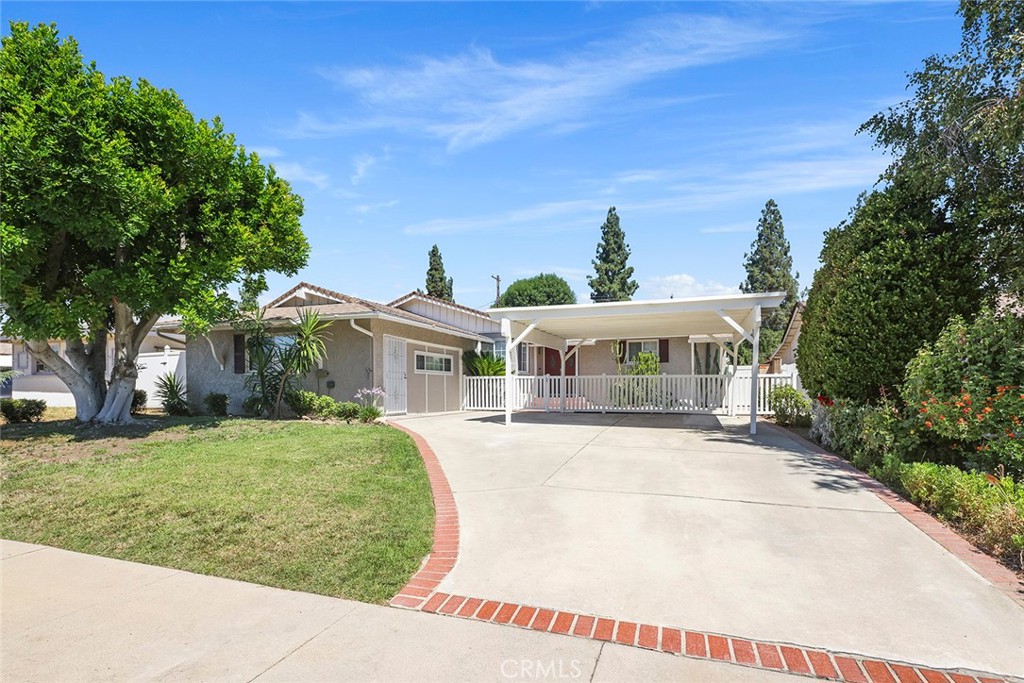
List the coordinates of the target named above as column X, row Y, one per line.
column 736, row 302
column 427, row 326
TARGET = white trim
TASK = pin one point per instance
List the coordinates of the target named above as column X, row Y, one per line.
column 424, row 354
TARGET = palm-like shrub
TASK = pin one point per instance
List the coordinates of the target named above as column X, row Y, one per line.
column 488, row 365
column 172, row 394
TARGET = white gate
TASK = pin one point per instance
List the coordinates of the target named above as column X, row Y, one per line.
column 394, row 375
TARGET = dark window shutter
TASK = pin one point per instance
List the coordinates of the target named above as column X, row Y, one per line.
column 239, row 354
column 663, row 350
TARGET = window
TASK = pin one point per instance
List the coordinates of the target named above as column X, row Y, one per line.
column 523, row 366
column 433, row 363
column 497, row 349
column 635, row 348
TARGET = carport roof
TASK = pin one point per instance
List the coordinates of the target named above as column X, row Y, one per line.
column 707, row 315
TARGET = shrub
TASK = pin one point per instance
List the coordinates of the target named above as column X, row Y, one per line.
column 989, row 509
column 347, row 411
column 890, row 277
column 301, row 403
column 15, row 410
column 172, row 394
column 216, row 404
column 790, row 406
column 369, row 413
column 967, row 390
column 139, row 399
column 476, row 365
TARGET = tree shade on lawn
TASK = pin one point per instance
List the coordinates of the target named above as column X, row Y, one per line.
column 119, row 207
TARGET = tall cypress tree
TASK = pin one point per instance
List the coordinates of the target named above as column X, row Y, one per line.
column 438, row 285
column 612, row 282
column 769, row 266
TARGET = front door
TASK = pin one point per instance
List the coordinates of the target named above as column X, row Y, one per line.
column 553, row 363
column 395, row 378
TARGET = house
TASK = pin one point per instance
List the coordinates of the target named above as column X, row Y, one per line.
column 161, row 352
column 784, row 358
column 416, row 359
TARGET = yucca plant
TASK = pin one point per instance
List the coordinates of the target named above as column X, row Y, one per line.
column 172, row 394
column 307, row 349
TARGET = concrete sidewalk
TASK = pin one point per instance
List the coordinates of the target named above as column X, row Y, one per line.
column 73, row 617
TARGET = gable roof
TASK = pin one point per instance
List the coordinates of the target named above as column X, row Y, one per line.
column 416, row 294
column 353, row 307
column 792, row 329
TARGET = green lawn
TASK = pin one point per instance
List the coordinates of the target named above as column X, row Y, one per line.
column 326, row 508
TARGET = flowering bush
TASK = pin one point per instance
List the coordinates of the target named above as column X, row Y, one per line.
column 368, row 396
column 967, row 390
column 790, row 406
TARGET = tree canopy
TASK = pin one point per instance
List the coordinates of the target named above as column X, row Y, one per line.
column 889, row 279
column 769, row 266
column 961, row 134
column 438, row 284
column 612, row 282
column 118, row 206
column 546, row 289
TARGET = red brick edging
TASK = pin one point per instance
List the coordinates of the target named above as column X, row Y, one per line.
column 445, row 551
column 420, row 594
column 988, row 567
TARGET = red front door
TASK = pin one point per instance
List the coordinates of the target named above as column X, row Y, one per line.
column 553, row 363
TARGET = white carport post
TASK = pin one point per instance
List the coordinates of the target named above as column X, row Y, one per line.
column 755, row 362
column 510, row 346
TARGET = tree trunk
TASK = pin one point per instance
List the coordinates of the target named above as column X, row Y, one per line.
column 82, row 372
column 128, row 337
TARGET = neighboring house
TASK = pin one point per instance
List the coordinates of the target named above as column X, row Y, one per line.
column 160, row 353
column 784, row 358
column 416, row 359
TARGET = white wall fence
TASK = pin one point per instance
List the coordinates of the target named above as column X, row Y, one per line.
column 154, row 365
column 718, row 394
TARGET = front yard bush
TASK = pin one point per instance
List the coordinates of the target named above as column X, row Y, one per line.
column 790, row 406
column 16, row 410
column 311, row 404
column 216, row 404
column 988, row 509
column 172, row 394
column 139, row 399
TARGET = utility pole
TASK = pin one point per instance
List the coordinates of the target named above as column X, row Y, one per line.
column 497, row 288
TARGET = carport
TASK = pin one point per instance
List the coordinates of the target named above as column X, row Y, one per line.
column 718, row 319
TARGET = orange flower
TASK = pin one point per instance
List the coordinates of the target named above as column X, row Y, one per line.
column 928, row 424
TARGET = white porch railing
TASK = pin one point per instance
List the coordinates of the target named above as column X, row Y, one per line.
column 719, row 394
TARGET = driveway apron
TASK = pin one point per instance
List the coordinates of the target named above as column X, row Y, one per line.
column 689, row 521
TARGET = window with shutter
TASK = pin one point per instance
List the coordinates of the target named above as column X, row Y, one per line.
column 239, row 354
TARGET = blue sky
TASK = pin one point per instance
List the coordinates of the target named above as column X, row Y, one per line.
column 503, row 132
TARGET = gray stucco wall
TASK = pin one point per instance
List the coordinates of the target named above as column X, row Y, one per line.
column 354, row 361
column 205, row 375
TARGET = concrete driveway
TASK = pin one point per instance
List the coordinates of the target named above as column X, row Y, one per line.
column 690, row 521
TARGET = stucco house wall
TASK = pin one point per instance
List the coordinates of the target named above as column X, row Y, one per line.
column 598, row 359
column 424, row 392
column 204, row 357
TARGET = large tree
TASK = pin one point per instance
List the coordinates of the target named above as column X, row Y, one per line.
column 612, row 282
column 962, row 134
column 438, row 284
column 889, row 279
column 769, row 267
column 118, row 206
column 546, row 289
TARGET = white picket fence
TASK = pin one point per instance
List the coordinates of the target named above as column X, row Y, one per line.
column 718, row 394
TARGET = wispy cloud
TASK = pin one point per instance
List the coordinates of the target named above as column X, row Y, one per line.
column 475, row 97
column 298, row 173
column 373, row 208
column 682, row 285
column 267, row 152
column 560, row 215
column 361, row 165
column 728, row 228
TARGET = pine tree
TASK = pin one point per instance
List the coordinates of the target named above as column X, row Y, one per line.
column 769, row 266
column 612, row 282
column 438, row 285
